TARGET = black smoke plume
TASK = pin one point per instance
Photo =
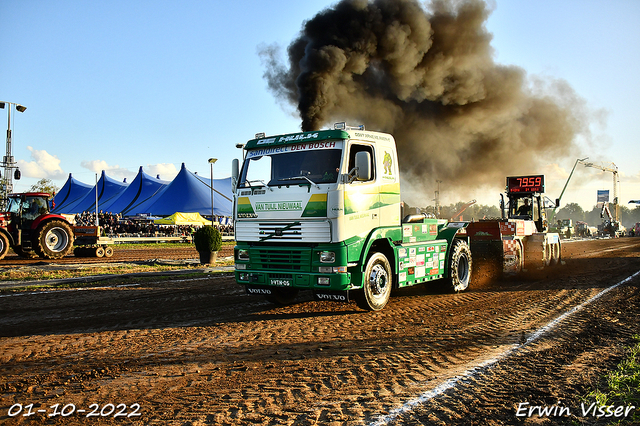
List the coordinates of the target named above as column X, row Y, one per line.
column 426, row 74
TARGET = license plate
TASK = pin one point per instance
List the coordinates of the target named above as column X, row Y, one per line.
column 280, row 282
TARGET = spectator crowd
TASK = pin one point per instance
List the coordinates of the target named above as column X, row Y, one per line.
column 114, row 225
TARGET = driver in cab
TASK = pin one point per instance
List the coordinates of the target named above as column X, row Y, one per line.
column 525, row 209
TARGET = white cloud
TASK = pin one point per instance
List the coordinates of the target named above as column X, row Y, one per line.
column 44, row 165
column 167, row 171
column 115, row 172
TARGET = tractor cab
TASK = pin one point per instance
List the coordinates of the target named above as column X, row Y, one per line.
column 525, row 200
column 25, row 208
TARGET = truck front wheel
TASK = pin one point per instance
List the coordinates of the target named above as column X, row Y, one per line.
column 376, row 287
column 459, row 267
column 4, row 245
column 54, row 240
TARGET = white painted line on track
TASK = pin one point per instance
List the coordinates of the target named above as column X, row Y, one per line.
column 487, row 364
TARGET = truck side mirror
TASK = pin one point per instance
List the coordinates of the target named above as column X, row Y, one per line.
column 363, row 165
column 557, row 202
column 235, row 172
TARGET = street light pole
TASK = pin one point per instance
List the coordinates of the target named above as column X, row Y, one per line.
column 212, row 162
column 8, row 162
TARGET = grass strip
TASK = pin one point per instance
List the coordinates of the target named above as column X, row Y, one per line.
column 622, row 386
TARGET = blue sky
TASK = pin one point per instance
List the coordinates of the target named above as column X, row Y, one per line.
column 122, row 84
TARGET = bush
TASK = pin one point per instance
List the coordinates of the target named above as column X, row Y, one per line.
column 207, row 238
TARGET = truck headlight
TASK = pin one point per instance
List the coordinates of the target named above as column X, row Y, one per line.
column 327, row 257
column 243, row 254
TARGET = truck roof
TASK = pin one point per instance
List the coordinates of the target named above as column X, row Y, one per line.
column 315, row 136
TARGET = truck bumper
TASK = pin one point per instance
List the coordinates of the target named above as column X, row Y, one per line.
column 309, row 280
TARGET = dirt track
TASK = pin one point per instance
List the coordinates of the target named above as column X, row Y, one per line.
column 193, row 352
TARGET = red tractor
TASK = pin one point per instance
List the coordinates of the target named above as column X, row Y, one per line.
column 29, row 229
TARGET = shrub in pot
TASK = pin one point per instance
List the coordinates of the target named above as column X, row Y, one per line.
column 208, row 242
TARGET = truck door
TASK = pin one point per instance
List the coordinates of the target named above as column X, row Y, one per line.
column 362, row 198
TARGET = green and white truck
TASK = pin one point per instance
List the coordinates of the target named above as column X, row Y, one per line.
column 321, row 211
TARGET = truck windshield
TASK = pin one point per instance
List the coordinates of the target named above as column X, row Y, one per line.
column 291, row 167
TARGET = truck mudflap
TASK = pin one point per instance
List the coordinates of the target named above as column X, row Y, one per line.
column 332, row 295
column 258, row 290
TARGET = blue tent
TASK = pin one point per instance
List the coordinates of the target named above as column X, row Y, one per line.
column 72, row 191
column 108, row 190
column 188, row 193
column 143, row 188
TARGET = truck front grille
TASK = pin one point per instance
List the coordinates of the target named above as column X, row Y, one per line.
column 275, row 258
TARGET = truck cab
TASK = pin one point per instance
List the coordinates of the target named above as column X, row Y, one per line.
column 321, row 211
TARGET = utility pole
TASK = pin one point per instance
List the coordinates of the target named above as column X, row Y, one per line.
column 8, row 162
column 437, row 199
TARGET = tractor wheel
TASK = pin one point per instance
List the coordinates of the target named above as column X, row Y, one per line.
column 378, row 280
column 459, row 267
column 548, row 254
column 556, row 255
column 98, row 251
column 4, row 245
column 108, row 251
column 282, row 295
column 54, row 240
column 514, row 266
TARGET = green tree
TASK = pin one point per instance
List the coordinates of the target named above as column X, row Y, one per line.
column 571, row 211
column 44, row 185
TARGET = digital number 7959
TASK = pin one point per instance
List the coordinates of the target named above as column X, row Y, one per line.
column 530, row 181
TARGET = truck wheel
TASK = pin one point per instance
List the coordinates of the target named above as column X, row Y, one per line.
column 282, row 295
column 98, row 251
column 108, row 251
column 459, row 267
column 376, row 287
column 4, row 245
column 54, row 240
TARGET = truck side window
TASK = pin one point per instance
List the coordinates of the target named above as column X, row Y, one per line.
column 352, row 157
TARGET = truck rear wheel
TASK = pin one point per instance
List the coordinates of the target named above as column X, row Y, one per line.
column 4, row 245
column 378, row 280
column 459, row 267
column 54, row 240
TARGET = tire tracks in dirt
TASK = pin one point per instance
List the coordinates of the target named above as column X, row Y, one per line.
column 201, row 352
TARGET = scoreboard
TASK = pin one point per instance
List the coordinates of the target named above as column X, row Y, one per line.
column 525, row 184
